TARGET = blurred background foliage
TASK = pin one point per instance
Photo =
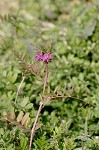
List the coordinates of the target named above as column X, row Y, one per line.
column 72, row 27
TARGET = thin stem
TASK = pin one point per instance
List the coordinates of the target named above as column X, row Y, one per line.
column 39, row 110
column 45, row 79
column 82, row 145
column 23, row 78
column 59, row 96
column 86, row 125
column 34, row 125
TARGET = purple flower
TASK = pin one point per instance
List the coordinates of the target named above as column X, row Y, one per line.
column 47, row 57
column 38, row 56
column 43, row 57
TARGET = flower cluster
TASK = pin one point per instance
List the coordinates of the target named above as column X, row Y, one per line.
column 43, row 57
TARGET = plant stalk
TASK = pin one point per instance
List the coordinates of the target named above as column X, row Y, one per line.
column 34, row 125
column 39, row 110
column 82, row 145
column 45, row 79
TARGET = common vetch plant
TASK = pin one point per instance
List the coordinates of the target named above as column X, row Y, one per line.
column 76, row 59
column 22, row 119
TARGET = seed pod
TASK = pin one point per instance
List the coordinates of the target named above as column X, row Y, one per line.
column 12, row 115
column 20, row 116
column 26, row 116
column 27, row 122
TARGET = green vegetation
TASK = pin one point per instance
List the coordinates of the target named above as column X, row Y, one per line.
column 70, row 29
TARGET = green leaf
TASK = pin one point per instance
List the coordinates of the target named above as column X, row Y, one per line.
column 29, row 106
column 88, row 30
column 24, row 102
column 14, row 77
column 23, row 143
column 10, row 147
column 9, row 76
